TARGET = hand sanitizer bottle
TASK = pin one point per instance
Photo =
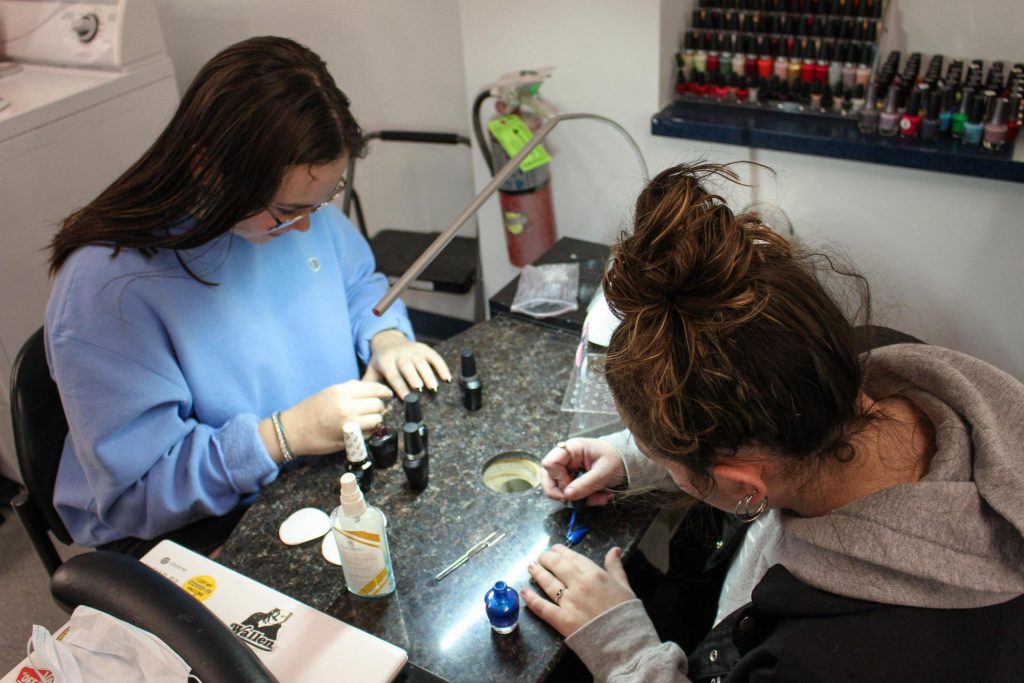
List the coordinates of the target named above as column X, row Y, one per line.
column 359, row 531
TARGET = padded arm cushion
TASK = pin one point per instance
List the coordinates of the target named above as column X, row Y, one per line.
column 129, row 590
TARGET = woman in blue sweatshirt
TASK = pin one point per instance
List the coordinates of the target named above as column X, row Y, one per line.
column 209, row 306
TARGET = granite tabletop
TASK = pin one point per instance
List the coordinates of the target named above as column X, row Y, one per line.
column 441, row 624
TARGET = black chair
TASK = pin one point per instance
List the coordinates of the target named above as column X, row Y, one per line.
column 129, row 590
column 39, row 430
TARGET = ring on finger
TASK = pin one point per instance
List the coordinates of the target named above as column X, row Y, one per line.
column 558, row 594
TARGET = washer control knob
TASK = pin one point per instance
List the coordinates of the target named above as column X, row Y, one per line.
column 86, row 27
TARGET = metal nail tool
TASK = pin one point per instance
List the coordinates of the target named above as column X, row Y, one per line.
column 490, row 540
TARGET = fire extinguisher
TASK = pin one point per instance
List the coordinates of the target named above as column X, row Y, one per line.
column 525, row 197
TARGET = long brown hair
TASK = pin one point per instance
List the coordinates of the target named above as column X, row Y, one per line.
column 255, row 109
column 727, row 335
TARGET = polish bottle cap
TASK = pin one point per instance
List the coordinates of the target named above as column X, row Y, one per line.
column 413, row 407
column 413, row 439
column 872, row 95
column 468, row 361
column 914, row 103
column 352, row 502
column 990, row 98
column 1013, row 109
column 891, row 100
column 977, row 110
column 690, row 43
column 867, row 54
column 858, row 92
column 966, row 100
column 355, row 447
column 946, row 99
column 934, row 105
column 699, row 19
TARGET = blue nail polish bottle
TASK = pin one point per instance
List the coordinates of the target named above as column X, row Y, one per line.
column 502, row 605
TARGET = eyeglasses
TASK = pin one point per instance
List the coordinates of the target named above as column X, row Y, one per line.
column 288, row 221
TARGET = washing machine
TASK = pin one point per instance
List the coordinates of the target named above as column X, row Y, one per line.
column 85, row 88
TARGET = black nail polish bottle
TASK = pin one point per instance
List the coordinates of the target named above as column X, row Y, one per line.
column 414, row 414
column 383, row 447
column 472, row 390
column 415, row 461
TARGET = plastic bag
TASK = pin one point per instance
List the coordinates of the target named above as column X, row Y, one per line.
column 548, row 290
column 95, row 646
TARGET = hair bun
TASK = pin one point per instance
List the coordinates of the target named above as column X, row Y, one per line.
column 688, row 254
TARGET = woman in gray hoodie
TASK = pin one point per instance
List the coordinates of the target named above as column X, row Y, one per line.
column 881, row 494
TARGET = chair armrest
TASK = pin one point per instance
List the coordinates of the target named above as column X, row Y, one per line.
column 129, row 590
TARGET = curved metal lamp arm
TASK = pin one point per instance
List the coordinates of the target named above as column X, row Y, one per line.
column 431, row 252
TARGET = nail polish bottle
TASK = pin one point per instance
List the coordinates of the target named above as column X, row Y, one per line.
column 781, row 65
column 502, row 606
column 356, row 460
column 867, row 120
column 725, row 55
column 956, row 125
column 856, row 103
column 863, row 74
column 849, row 70
column 930, row 122
column 383, row 447
column 910, row 122
column 472, row 390
column 838, row 99
column 795, row 63
column 680, row 75
column 690, row 51
column 764, row 61
column 414, row 414
column 835, row 69
column 889, row 119
column 700, row 56
column 742, row 90
column 415, row 460
column 713, row 55
column 1014, row 118
column 739, row 62
column 810, row 60
column 974, row 128
column 994, row 136
column 945, row 110
column 816, row 95
column 750, row 59
column 824, row 59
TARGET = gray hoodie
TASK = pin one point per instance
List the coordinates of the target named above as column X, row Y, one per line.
column 955, row 539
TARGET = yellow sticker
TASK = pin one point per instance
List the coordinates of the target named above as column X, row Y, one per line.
column 513, row 134
column 515, row 222
column 200, row 586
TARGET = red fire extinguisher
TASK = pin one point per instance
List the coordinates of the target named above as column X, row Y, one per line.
column 526, row 206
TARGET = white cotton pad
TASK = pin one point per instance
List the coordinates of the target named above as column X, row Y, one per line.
column 304, row 525
column 329, row 549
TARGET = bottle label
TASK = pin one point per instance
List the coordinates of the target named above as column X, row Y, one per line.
column 365, row 562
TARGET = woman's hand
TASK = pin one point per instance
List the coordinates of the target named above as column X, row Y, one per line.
column 578, row 588
column 603, row 467
column 315, row 425
column 404, row 364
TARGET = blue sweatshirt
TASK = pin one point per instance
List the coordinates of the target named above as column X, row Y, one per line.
column 164, row 379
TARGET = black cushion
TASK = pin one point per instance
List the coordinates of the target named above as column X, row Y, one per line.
column 129, row 590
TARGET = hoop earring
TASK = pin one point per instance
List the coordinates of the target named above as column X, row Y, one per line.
column 743, row 513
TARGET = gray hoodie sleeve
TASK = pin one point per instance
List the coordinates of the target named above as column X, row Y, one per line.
column 641, row 471
column 621, row 646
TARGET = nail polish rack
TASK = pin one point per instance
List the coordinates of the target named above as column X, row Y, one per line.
column 810, row 57
column 808, row 76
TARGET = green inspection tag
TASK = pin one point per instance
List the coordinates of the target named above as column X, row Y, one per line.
column 513, row 134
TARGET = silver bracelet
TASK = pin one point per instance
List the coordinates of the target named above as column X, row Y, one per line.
column 281, row 440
